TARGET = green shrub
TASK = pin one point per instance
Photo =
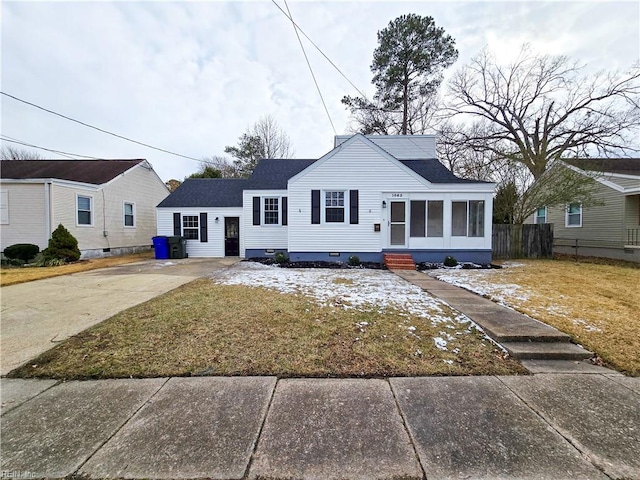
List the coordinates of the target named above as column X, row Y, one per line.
column 450, row 261
column 62, row 246
column 23, row 251
column 11, row 262
column 280, row 258
column 354, row 260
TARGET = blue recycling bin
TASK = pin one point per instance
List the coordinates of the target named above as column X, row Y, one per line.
column 161, row 247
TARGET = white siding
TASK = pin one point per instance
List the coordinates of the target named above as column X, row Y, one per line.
column 263, row 236
column 26, row 215
column 402, row 147
column 138, row 185
column 360, row 167
column 214, row 247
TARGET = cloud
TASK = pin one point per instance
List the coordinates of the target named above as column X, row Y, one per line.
column 191, row 76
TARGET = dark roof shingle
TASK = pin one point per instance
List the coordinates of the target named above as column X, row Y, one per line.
column 207, row 192
column 273, row 174
column 95, row 172
column 434, row 171
column 622, row 166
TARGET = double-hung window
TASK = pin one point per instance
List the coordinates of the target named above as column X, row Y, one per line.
column 271, row 211
column 574, row 215
column 84, row 210
column 334, row 206
column 190, row 227
column 129, row 215
column 541, row 215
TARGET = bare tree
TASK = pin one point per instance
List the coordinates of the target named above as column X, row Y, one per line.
column 7, row 152
column 263, row 139
column 541, row 108
column 226, row 167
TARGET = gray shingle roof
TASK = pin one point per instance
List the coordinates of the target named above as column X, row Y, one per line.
column 273, row 174
column 434, row 171
column 207, row 192
column 623, row 166
column 95, row 172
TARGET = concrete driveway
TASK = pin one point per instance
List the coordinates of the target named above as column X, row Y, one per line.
column 37, row 315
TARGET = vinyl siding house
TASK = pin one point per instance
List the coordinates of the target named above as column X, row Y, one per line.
column 610, row 230
column 107, row 205
column 368, row 196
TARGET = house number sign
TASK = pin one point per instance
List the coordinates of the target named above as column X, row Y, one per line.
column 396, row 195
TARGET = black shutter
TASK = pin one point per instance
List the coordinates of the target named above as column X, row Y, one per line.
column 315, row 206
column 284, row 211
column 177, row 228
column 256, row 210
column 353, row 207
column 203, row 228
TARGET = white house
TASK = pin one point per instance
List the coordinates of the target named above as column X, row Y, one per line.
column 107, row 205
column 368, row 196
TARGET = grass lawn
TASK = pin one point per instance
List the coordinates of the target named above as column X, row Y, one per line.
column 207, row 328
column 14, row 275
column 597, row 304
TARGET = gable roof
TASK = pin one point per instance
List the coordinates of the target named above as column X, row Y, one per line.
column 95, row 172
column 207, row 192
column 273, row 174
column 620, row 166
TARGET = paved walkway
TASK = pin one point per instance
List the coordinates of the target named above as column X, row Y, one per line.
column 37, row 315
column 533, row 427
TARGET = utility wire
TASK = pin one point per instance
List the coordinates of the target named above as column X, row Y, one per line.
column 318, row 48
column 99, row 129
column 295, row 28
column 6, row 138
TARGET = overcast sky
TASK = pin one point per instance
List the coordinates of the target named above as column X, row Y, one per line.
column 189, row 77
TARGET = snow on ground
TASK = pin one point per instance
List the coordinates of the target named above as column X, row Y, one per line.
column 483, row 282
column 352, row 289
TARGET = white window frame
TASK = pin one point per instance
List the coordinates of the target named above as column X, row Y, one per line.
column 566, row 215
column 344, row 206
column 91, row 211
column 124, row 214
column 4, row 207
column 536, row 216
column 263, row 211
column 196, row 227
column 468, row 229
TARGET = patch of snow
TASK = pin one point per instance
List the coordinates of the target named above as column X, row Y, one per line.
column 441, row 343
column 587, row 326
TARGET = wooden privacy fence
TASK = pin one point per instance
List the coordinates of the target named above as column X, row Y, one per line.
column 522, row 241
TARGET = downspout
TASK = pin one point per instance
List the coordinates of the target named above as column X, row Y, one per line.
column 48, row 205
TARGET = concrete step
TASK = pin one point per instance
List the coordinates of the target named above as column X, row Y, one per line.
column 546, row 351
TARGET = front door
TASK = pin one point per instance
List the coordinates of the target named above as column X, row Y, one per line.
column 231, row 236
column 398, row 224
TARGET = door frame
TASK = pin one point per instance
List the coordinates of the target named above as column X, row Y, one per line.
column 237, row 219
column 405, row 243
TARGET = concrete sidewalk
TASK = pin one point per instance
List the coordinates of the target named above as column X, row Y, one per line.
column 534, row 427
column 37, row 315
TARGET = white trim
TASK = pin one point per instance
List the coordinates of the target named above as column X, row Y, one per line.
column 263, row 211
column 4, row 207
column 91, row 211
column 566, row 215
column 345, row 206
column 133, row 213
column 535, row 215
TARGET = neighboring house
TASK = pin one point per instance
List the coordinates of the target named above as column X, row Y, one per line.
column 367, row 196
column 108, row 205
column 610, row 230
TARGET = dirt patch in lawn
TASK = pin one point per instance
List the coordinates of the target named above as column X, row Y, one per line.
column 15, row 275
column 597, row 304
column 205, row 328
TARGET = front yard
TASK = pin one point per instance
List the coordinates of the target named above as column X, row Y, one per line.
column 597, row 304
column 257, row 320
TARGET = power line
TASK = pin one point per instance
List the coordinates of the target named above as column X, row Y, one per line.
column 295, row 28
column 6, row 138
column 100, row 129
column 318, row 48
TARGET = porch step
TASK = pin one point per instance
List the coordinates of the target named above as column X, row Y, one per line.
column 546, row 351
column 399, row 261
